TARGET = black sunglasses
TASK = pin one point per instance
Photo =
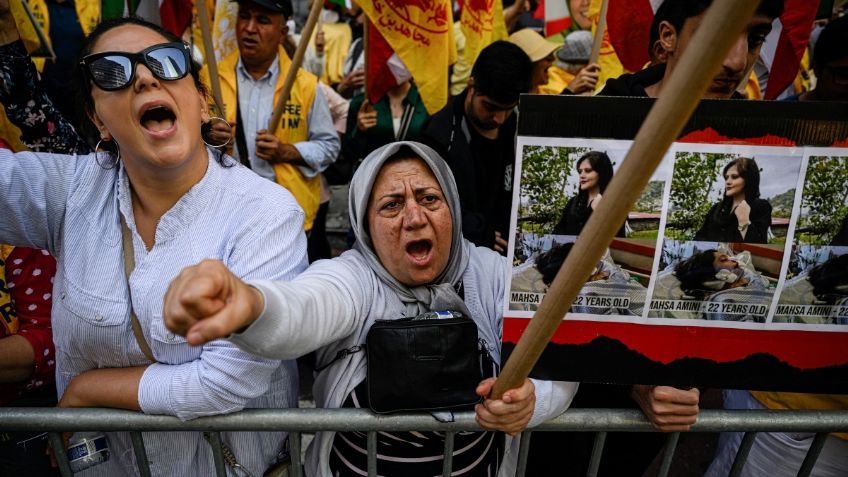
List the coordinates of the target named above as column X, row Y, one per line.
column 114, row 70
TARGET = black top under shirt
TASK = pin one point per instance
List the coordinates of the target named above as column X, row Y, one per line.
column 494, row 161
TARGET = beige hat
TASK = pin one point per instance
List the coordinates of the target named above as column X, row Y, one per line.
column 536, row 47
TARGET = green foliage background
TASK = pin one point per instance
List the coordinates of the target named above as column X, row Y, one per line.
column 823, row 202
column 544, row 179
column 693, row 178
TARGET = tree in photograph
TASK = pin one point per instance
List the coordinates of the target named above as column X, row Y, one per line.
column 693, row 178
column 823, row 203
column 651, row 199
column 544, row 185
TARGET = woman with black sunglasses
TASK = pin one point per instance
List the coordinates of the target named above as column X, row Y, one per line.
column 123, row 223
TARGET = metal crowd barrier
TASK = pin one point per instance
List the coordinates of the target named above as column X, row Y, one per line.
column 300, row 421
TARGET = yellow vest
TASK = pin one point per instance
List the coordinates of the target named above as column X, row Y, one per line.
column 293, row 128
column 803, row 401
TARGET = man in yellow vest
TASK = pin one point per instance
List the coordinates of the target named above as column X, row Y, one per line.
column 305, row 142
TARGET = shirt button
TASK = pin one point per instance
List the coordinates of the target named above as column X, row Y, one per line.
column 170, row 336
column 98, row 317
column 64, row 295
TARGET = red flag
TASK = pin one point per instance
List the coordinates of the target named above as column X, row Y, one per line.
column 629, row 27
column 556, row 15
column 629, row 24
column 380, row 77
column 175, row 15
column 793, row 28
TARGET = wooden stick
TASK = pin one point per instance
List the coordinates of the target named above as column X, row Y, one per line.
column 305, row 35
column 599, row 33
column 46, row 49
column 211, row 62
column 700, row 62
column 366, row 26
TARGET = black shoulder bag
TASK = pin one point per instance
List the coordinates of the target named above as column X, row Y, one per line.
column 428, row 363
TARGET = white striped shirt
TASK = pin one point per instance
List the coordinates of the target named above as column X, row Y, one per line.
column 69, row 205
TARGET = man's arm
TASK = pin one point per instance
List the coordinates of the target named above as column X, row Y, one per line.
column 322, row 146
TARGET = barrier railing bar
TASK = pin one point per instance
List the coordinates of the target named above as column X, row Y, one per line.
column 295, row 453
column 523, row 452
column 316, row 420
column 217, row 454
column 597, row 451
column 668, row 453
column 742, row 454
column 447, row 462
column 140, row 454
column 812, row 455
column 372, row 453
column 57, row 445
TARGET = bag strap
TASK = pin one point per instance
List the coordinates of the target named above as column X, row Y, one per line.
column 129, row 265
column 241, row 142
column 341, row 354
column 405, row 121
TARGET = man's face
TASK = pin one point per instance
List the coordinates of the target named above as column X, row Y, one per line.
column 485, row 113
column 739, row 60
column 259, row 32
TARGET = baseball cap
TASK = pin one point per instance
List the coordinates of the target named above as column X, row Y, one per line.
column 536, row 47
column 577, row 47
column 276, row 6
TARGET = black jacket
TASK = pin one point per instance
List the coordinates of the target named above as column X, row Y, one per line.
column 723, row 226
column 486, row 203
column 634, row 84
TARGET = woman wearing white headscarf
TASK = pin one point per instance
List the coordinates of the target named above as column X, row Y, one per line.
column 409, row 258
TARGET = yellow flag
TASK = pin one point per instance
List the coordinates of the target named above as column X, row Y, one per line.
column 224, row 29
column 26, row 29
column 482, row 22
column 421, row 33
column 611, row 66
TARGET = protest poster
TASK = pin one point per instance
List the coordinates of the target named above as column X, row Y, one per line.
column 731, row 269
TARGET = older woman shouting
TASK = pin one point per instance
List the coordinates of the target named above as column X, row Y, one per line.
column 409, row 258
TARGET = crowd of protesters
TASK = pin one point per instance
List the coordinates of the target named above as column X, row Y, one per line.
column 110, row 204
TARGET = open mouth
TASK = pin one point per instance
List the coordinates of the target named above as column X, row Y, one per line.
column 249, row 41
column 419, row 250
column 158, row 119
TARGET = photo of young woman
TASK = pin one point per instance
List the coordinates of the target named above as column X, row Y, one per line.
column 595, row 172
column 741, row 215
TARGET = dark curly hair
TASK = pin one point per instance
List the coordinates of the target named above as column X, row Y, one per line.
column 548, row 263
column 827, row 279
column 696, row 270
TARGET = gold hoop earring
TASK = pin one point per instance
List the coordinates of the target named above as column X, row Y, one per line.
column 110, row 163
column 206, row 128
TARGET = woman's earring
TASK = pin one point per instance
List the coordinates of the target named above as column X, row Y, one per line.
column 206, row 128
column 109, row 163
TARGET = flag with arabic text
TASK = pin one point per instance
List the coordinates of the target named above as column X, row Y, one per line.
column 420, row 32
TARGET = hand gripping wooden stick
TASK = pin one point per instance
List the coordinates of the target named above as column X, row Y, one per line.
column 700, row 62
column 305, row 35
